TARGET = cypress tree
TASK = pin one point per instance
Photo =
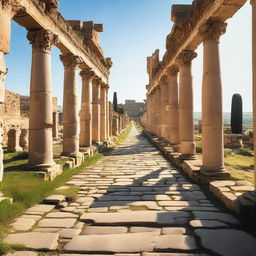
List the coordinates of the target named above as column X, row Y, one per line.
column 237, row 114
column 115, row 103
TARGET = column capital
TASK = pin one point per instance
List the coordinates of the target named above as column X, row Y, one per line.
column 97, row 81
column 186, row 57
column 212, row 29
column 173, row 70
column 42, row 40
column 10, row 6
column 163, row 80
column 87, row 74
column 70, row 60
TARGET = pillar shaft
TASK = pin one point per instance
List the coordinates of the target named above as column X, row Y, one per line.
column 85, row 137
column 163, row 107
column 96, row 111
column 107, row 113
column 186, row 123
column 173, row 108
column 253, row 3
column 70, row 117
column 212, row 119
column 55, row 125
column 103, row 113
column 40, row 106
column 158, row 111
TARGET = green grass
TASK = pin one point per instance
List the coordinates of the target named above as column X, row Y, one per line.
column 27, row 189
column 5, row 248
column 122, row 137
column 138, row 127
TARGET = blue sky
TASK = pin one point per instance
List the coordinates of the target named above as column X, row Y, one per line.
column 133, row 29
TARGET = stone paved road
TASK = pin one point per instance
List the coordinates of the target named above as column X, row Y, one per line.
column 133, row 202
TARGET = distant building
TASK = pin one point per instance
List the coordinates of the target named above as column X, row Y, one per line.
column 133, row 109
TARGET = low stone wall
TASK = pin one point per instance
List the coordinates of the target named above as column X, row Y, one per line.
column 238, row 196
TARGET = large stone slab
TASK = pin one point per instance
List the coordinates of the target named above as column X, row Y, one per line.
column 40, row 208
column 135, row 242
column 23, row 224
column 56, row 223
column 228, row 242
column 92, row 230
column 175, row 242
column 208, row 224
column 61, row 215
column 134, row 217
column 23, row 253
column 216, row 216
column 34, row 240
column 54, row 199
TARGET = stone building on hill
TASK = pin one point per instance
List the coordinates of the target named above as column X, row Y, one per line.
column 133, row 109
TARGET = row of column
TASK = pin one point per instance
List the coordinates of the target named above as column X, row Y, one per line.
column 170, row 104
column 93, row 124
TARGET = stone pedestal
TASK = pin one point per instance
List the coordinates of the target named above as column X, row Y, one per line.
column 24, row 139
column 86, row 109
column 40, row 120
column 70, row 118
column 186, row 122
column 212, row 119
column 103, row 113
column 55, row 125
column 173, row 102
column 96, row 110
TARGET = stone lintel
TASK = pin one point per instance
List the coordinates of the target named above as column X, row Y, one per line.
column 179, row 13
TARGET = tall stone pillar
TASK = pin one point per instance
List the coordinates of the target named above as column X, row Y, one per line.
column 253, row 3
column 85, row 137
column 212, row 120
column 163, row 107
column 107, row 112
column 158, row 110
column 103, row 113
column 40, row 106
column 154, row 111
column 55, row 125
column 173, row 105
column 70, row 118
column 6, row 14
column 186, row 122
column 96, row 110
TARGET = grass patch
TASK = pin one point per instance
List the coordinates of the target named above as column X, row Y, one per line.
column 122, row 137
column 138, row 208
column 69, row 193
column 138, row 127
column 27, row 189
column 5, row 248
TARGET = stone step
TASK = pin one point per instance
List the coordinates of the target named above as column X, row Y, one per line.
column 130, row 243
column 135, row 217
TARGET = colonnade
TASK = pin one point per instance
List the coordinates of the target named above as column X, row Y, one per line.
column 80, row 130
column 170, row 103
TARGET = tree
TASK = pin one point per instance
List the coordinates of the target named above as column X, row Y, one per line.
column 237, row 114
column 115, row 103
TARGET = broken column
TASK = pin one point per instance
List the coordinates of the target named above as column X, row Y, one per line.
column 14, row 140
column 24, row 139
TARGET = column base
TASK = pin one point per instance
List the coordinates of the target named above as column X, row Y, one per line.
column 211, row 174
column 47, row 172
column 79, row 157
column 187, row 157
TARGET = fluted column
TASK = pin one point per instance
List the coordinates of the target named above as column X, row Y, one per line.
column 103, row 113
column 40, row 105
column 212, row 119
column 70, row 118
column 85, row 137
column 173, row 102
column 186, row 122
column 96, row 110
column 253, row 3
column 163, row 107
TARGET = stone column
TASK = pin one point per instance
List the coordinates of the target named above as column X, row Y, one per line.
column 158, row 110
column 107, row 112
column 40, row 106
column 96, row 110
column 173, row 105
column 163, row 107
column 212, row 120
column 186, row 122
column 103, row 113
column 55, row 125
column 110, row 118
column 253, row 3
column 154, row 121
column 70, row 118
column 6, row 14
column 86, row 109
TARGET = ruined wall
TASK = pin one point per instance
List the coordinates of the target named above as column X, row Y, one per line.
column 133, row 108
